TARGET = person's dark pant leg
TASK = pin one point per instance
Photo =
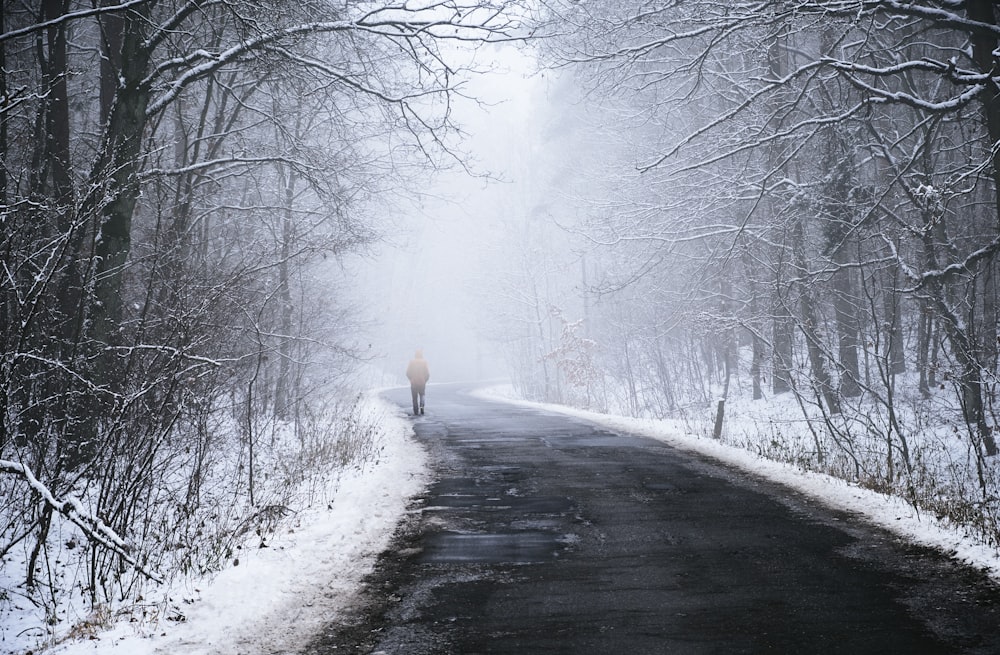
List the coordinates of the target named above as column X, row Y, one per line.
column 417, row 396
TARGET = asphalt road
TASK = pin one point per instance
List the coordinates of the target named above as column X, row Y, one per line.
column 546, row 534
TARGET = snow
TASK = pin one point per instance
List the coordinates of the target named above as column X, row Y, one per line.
column 278, row 597
column 888, row 512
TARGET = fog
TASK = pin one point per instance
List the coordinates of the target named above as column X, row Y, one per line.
column 429, row 283
column 778, row 229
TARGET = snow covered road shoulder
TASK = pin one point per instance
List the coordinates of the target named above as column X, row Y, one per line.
column 889, row 512
column 278, row 597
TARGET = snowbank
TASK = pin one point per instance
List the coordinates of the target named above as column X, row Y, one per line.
column 886, row 511
column 278, row 597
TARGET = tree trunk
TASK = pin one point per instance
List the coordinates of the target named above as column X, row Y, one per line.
column 720, row 410
column 934, row 332
column 781, row 350
column 988, row 332
column 810, row 324
column 783, row 321
column 665, row 378
column 729, row 349
column 115, row 184
column 633, row 392
column 837, row 224
column 984, row 52
column 756, row 365
column 3, row 117
column 848, row 333
column 283, row 383
column 962, row 345
column 970, row 377
column 57, row 110
column 817, row 359
column 112, row 34
column 845, row 307
column 984, row 47
column 896, row 357
column 758, row 345
column 924, row 329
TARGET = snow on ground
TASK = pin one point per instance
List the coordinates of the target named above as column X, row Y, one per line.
column 278, row 597
column 888, row 512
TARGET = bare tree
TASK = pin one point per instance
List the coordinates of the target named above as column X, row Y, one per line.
column 747, row 126
column 177, row 177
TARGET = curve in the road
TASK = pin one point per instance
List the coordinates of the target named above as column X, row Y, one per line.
column 545, row 534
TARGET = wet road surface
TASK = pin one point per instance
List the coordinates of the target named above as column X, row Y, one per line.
column 546, row 534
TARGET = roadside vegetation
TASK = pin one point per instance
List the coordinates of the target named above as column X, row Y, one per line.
column 782, row 227
column 181, row 185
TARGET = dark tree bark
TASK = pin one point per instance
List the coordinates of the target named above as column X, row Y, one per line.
column 925, row 329
column 783, row 329
column 988, row 332
column 5, row 99
column 970, row 378
column 984, row 47
column 720, row 410
column 782, row 342
column 845, row 308
column 758, row 345
column 115, row 173
column 112, row 28
column 69, row 285
column 757, row 365
column 893, row 324
column 963, row 347
column 809, row 325
column 57, row 110
column 727, row 350
column 836, row 231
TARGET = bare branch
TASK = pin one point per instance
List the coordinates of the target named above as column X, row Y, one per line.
column 94, row 528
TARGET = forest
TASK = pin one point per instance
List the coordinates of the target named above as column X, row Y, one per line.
column 180, row 180
column 782, row 221
column 775, row 222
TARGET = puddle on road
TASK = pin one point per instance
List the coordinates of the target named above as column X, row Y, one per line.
column 527, row 547
column 492, row 505
column 475, row 495
column 518, row 505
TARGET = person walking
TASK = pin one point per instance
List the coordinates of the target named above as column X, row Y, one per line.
column 418, row 373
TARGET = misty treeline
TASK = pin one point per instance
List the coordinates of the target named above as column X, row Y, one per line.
column 785, row 221
column 179, row 181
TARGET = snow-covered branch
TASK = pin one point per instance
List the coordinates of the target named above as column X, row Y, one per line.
column 221, row 164
column 93, row 527
column 877, row 95
column 399, row 22
column 940, row 16
column 944, row 274
column 71, row 16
